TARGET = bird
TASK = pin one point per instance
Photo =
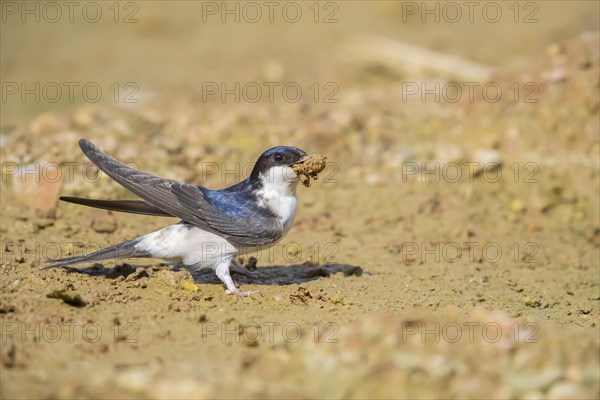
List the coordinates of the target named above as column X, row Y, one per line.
column 215, row 226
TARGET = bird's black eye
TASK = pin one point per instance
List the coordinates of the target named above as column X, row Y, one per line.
column 278, row 157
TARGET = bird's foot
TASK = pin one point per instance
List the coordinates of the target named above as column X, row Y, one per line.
column 238, row 292
column 222, row 271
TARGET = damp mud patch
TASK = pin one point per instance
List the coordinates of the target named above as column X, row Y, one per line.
column 309, row 167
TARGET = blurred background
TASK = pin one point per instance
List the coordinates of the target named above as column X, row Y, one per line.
column 176, row 46
column 444, row 123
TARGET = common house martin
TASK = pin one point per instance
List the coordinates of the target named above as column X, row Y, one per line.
column 215, row 226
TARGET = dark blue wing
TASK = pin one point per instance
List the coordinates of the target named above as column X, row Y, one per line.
column 196, row 205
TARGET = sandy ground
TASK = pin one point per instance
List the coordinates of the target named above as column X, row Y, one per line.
column 449, row 249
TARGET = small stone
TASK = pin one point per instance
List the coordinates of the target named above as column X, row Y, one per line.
column 104, row 223
column 517, row 206
column 486, row 160
column 189, row 285
column 85, row 116
column 38, row 185
column 533, row 395
column 565, row 391
column 557, row 75
column 4, row 139
column 181, row 389
column 249, row 336
column 554, row 49
column 20, row 149
column 274, row 71
column 293, row 251
column 8, row 355
column 46, row 124
column 252, row 261
column 448, row 154
column 135, row 379
column 532, row 227
column 529, row 302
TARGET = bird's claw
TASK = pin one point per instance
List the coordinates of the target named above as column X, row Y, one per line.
column 238, row 292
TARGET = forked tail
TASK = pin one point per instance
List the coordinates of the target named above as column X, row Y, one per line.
column 119, row 251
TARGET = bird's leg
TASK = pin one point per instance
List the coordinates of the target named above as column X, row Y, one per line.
column 240, row 269
column 222, row 271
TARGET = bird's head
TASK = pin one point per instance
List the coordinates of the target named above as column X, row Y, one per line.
column 274, row 166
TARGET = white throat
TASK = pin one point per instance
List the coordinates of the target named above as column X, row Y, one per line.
column 278, row 193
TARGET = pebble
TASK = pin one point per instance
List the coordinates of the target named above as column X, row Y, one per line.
column 487, row 160
column 3, row 140
column 554, row 49
column 38, row 185
column 517, row 206
column 135, row 379
column 566, row 391
column 274, row 71
column 448, row 154
column 85, row 116
column 174, row 278
column 104, row 223
column 46, row 124
column 533, row 395
column 189, row 285
column 181, row 389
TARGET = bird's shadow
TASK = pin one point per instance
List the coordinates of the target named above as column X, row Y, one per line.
column 271, row 275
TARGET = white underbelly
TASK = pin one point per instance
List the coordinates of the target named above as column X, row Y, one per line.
column 193, row 246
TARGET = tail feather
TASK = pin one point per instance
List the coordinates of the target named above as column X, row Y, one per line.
column 128, row 206
column 122, row 250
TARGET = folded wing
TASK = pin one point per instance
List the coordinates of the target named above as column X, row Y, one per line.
column 185, row 201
